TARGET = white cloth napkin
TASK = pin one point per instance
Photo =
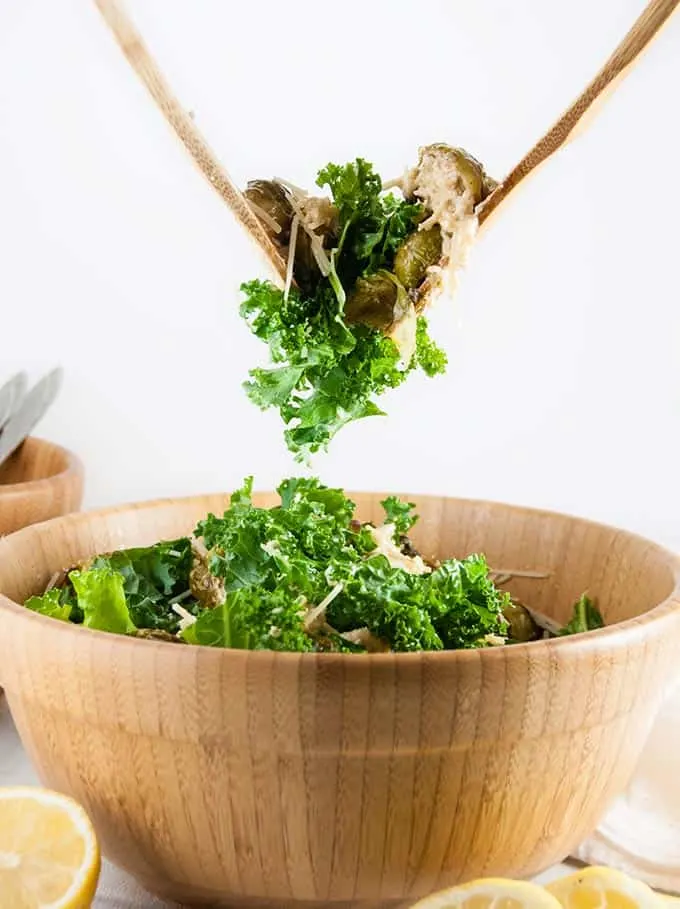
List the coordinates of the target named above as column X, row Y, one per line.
column 641, row 833
column 118, row 891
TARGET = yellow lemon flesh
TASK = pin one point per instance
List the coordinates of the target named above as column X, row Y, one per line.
column 604, row 888
column 49, row 856
column 493, row 893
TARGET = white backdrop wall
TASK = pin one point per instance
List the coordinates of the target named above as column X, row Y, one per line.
column 119, row 262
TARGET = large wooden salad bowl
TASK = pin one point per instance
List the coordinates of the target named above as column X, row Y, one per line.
column 258, row 779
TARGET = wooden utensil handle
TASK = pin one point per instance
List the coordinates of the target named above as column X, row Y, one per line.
column 134, row 48
column 573, row 120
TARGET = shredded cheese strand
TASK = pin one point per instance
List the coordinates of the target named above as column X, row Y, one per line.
column 266, row 217
column 185, row 617
column 291, row 255
column 516, row 573
column 319, row 610
column 296, row 190
column 318, row 251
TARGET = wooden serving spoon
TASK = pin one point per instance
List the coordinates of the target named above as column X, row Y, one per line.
column 137, row 53
column 580, row 114
column 653, row 17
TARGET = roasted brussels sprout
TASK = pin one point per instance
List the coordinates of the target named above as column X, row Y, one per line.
column 377, row 301
column 208, row 590
column 157, row 634
column 271, row 205
column 306, row 270
column 488, row 186
column 416, row 254
column 442, row 168
column 522, row 627
column 471, row 173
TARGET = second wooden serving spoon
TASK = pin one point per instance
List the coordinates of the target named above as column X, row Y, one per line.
column 580, row 114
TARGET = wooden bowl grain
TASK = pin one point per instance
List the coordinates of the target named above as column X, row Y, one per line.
column 38, row 482
column 256, row 779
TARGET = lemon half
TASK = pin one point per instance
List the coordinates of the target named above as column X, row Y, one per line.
column 604, row 888
column 492, row 893
column 49, row 856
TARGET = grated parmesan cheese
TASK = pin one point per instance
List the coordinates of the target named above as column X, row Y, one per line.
column 494, row 640
column 186, row 618
column 403, row 333
column 385, row 545
column 318, row 251
column 291, row 255
column 314, row 614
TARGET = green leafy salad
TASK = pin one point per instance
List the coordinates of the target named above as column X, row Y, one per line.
column 304, row 575
column 363, row 264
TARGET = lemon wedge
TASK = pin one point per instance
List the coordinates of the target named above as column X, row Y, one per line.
column 49, row 856
column 604, row 888
column 492, row 893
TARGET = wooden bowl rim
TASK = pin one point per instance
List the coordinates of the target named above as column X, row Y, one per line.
column 609, row 638
column 73, row 466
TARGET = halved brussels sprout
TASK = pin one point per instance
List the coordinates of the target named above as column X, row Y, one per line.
column 417, row 253
column 378, row 301
column 439, row 162
column 272, row 199
column 522, row 627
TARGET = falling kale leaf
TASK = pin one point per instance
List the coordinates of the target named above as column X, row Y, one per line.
column 327, row 370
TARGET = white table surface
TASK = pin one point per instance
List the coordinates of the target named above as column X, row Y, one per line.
column 116, row 890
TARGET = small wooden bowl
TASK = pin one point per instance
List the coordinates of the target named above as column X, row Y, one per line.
column 39, row 481
column 258, row 779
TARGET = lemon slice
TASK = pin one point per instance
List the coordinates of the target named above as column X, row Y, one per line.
column 603, row 888
column 49, row 856
column 492, row 893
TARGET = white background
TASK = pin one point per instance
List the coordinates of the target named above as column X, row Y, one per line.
column 119, row 262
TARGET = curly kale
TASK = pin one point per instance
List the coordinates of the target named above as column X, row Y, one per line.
column 279, row 563
column 327, row 373
column 303, row 575
column 125, row 591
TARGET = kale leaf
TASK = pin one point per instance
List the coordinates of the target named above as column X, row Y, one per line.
column 154, row 578
column 52, row 603
column 223, row 626
column 101, row 596
column 373, row 225
column 291, row 545
column 454, row 607
column 125, row 590
column 400, row 514
column 586, row 617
